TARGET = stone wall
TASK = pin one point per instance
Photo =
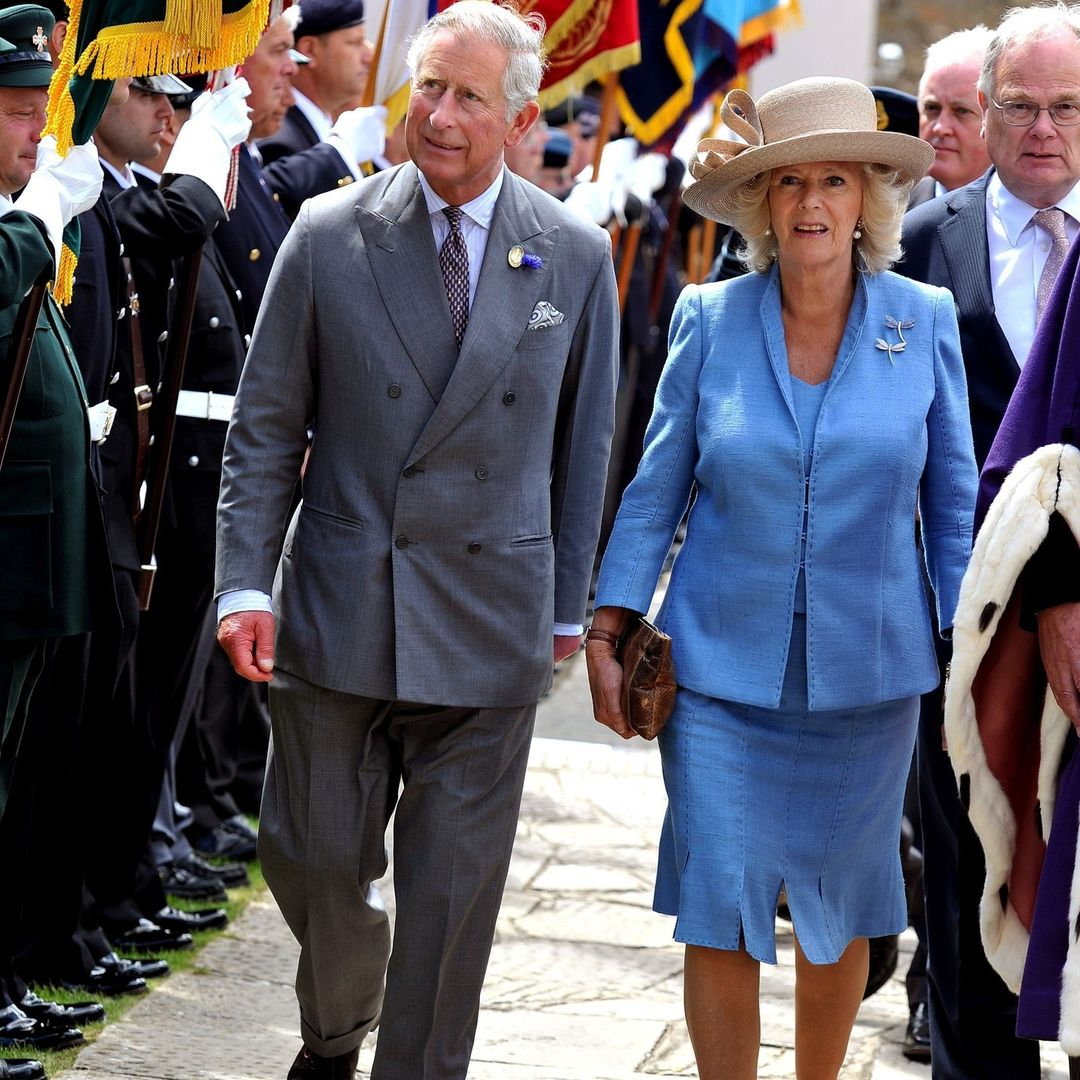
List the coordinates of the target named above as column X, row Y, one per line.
column 915, row 24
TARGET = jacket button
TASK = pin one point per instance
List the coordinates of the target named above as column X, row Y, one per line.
column 475, row 549
column 409, row 470
column 215, row 322
column 193, row 461
column 254, row 255
column 163, row 336
column 482, row 473
column 394, row 390
column 239, row 295
column 509, row 397
column 401, row 542
column 247, row 340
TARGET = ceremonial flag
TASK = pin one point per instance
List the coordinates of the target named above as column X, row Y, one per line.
column 691, row 49
column 392, row 23
column 585, row 40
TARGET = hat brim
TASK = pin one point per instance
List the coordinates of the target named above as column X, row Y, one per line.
column 26, row 75
column 713, row 196
column 160, row 84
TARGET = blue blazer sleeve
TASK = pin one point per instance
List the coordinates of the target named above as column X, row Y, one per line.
column 950, row 479
column 656, row 499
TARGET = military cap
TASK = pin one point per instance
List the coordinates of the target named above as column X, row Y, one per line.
column 557, row 149
column 298, row 57
column 324, row 16
column 196, row 84
column 582, row 108
column 896, row 110
column 27, row 27
column 160, row 84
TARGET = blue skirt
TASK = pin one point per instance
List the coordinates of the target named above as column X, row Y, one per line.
column 761, row 800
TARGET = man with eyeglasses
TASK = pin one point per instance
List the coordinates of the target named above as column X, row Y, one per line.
column 996, row 243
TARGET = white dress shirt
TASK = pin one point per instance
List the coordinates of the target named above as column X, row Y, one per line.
column 1018, row 251
column 475, row 228
column 125, row 179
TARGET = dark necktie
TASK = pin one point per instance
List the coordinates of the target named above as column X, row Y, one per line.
column 454, row 261
column 1052, row 222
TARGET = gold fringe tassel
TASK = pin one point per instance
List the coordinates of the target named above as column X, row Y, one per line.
column 197, row 20
column 60, row 112
column 64, row 285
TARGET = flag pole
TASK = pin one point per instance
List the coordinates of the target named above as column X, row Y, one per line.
column 607, row 115
column 368, row 97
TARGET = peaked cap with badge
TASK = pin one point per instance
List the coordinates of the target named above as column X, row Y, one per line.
column 25, row 29
column 326, row 16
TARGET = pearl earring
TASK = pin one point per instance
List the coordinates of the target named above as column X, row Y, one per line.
column 857, row 234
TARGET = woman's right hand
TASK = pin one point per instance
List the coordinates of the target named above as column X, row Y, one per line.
column 606, row 673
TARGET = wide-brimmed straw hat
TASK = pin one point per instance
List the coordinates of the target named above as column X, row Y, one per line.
column 820, row 119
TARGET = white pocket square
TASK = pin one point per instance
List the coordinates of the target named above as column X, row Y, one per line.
column 544, row 315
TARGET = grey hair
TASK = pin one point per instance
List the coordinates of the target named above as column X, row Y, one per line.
column 970, row 44
column 885, row 195
column 291, row 15
column 1020, row 25
column 521, row 37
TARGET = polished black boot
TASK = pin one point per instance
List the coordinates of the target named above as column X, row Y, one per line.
column 311, row 1066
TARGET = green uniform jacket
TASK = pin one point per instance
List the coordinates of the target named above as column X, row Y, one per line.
column 54, row 570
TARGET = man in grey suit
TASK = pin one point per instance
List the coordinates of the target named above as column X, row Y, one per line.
column 991, row 245
column 450, row 333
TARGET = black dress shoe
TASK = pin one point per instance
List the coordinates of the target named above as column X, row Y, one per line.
column 147, row 936
column 104, row 981
column 180, row 880
column 231, row 874
column 232, row 839
column 917, row 1036
column 170, row 918
column 63, row 1016
column 311, row 1066
column 149, row 968
column 21, row 1069
column 18, row 1029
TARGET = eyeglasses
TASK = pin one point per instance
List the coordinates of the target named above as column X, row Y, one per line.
column 1025, row 113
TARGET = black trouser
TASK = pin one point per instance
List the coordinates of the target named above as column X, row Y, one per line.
column 972, row 1013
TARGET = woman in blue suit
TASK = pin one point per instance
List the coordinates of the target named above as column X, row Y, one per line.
column 810, row 412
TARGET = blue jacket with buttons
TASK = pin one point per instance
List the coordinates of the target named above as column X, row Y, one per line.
column 893, row 442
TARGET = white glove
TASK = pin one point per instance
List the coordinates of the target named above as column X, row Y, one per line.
column 219, row 122
column 590, row 202
column 61, row 187
column 362, row 131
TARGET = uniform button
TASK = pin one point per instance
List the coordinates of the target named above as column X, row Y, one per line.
column 239, row 295
column 163, row 336
column 215, row 322
column 121, row 249
column 401, row 542
column 509, row 397
column 276, row 197
column 475, row 549
column 345, row 181
column 394, row 390
column 121, row 313
column 247, row 339
column 409, row 470
column 254, row 255
column 481, row 473
column 172, row 283
column 193, row 461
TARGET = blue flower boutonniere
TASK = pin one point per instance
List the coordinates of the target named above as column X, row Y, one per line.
column 899, row 325
column 518, row 256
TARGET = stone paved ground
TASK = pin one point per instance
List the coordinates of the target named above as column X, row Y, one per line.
column 584, row 981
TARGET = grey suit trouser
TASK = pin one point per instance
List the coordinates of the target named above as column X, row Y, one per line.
column 336, row 765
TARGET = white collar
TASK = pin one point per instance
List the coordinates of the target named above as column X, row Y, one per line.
column 125, row 179
column 1015, row 215
column 318, row 119
column 481, row 209
column 145, row 170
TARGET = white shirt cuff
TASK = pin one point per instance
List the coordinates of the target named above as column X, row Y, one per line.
column 242, row 600
column 565, row 629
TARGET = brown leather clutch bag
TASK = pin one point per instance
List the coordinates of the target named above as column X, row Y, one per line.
column 648, row 677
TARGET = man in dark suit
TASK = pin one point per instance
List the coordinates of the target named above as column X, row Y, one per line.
column 950, row 118
column 331, row 35
column 986, row 244
column 441, row 556
column 54, row 583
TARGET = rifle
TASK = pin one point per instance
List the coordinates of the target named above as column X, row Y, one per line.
column 18, row 358
column 148, row 518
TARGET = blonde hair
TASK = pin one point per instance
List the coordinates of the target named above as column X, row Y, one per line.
column 885, row 195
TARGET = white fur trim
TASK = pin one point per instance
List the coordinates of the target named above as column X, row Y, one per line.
column 1016, row 524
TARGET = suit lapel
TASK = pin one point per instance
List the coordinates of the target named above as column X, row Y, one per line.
column 402, row 253
column 967, row 255
column 505, row 298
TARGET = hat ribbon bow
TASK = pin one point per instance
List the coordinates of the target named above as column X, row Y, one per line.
column 739, row 113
